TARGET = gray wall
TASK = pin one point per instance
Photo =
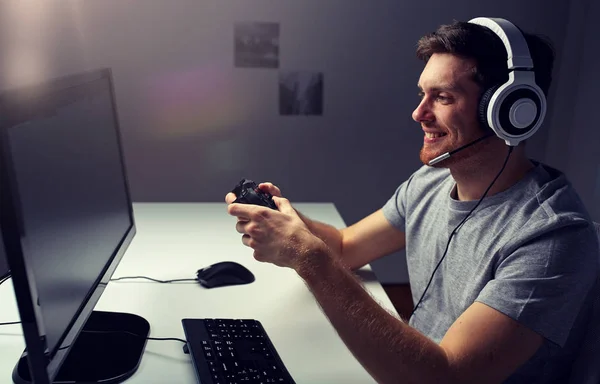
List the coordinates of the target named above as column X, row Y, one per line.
column 574, row 142
column 193, row 125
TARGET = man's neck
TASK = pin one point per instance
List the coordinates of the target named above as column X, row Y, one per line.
column 473, row 179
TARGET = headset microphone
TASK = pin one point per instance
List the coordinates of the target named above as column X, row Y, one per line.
column 448, row 154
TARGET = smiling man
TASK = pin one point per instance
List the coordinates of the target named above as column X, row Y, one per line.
column 502, row 255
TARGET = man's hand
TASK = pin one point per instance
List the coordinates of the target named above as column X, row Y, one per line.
column 278, row 237
column 265, row 187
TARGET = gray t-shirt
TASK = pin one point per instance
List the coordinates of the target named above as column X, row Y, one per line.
column 530, row 252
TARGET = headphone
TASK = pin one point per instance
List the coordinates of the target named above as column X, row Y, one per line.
column 516, row 109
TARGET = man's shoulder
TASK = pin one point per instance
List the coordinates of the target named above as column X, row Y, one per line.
column 556, row 196
column 546, row 208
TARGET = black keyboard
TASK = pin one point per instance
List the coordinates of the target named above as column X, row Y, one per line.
column 233, row 351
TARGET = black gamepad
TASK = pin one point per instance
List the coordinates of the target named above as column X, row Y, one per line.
column 247, row 192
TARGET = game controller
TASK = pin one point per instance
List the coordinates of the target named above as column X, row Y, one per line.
column 247, row 192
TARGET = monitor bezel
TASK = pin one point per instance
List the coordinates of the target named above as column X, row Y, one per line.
column 44, row 364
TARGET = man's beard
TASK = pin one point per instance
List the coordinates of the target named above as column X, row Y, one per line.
column 462, row 156
column 428, row 154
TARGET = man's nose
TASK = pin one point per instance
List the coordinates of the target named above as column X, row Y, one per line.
column 422, row 112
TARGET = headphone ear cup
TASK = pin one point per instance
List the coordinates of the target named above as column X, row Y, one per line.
column 484, row 102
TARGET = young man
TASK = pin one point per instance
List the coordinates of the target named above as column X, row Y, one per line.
column 509, row 302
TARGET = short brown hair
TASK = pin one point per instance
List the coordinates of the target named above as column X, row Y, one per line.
column 473, row 41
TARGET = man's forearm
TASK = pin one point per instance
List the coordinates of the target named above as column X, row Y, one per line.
column 328, row 233
column 390, row 350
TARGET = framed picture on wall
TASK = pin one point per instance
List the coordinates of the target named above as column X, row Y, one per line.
column 256, row 44
column 301, row 93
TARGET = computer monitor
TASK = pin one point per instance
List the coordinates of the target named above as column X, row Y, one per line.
column 66, row 220
column 4, row 271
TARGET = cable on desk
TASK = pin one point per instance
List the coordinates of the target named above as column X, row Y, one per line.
column 5, row 277
column 150, row 278
column 11, row 323
column 131, row 333
column 2, row 280
column 136, row 335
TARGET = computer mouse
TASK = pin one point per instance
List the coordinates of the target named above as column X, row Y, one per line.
column 223, row 274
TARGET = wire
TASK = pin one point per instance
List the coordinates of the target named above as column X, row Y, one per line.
column 510, row 149
column 2, row 280
column 167, row 338
column 130, row 333
column 5, row 277
column 136, row 335
column 117, row 279
column 11, row 323
column 150, row 278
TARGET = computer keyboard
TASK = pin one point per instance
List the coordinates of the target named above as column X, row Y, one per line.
column 233, row 351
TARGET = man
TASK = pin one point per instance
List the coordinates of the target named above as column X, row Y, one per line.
column 509, row 303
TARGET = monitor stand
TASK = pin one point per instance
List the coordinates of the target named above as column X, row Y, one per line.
column 107, row 354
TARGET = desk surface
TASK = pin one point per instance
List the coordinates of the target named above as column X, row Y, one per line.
column 174, row 240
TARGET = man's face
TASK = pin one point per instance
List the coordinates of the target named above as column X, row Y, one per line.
column 448, row 108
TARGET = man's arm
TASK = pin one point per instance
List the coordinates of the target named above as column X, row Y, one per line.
column 367, row 240
column 483, row 345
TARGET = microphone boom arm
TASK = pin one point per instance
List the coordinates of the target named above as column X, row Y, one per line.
column 448, row 154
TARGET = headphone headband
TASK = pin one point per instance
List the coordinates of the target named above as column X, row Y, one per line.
column 512, row 38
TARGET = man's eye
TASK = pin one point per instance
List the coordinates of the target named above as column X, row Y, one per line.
column 421, row 95
column 443, row 99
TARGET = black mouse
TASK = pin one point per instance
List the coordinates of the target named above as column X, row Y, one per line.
column 223, row 274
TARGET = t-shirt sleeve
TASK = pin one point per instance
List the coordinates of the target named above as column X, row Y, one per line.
column 394, row 209
column 543, row 283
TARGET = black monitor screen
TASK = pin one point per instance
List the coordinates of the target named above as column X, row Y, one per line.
column 3, row 264
column 72, row 196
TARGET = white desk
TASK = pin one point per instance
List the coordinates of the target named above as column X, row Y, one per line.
column 174, row 241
